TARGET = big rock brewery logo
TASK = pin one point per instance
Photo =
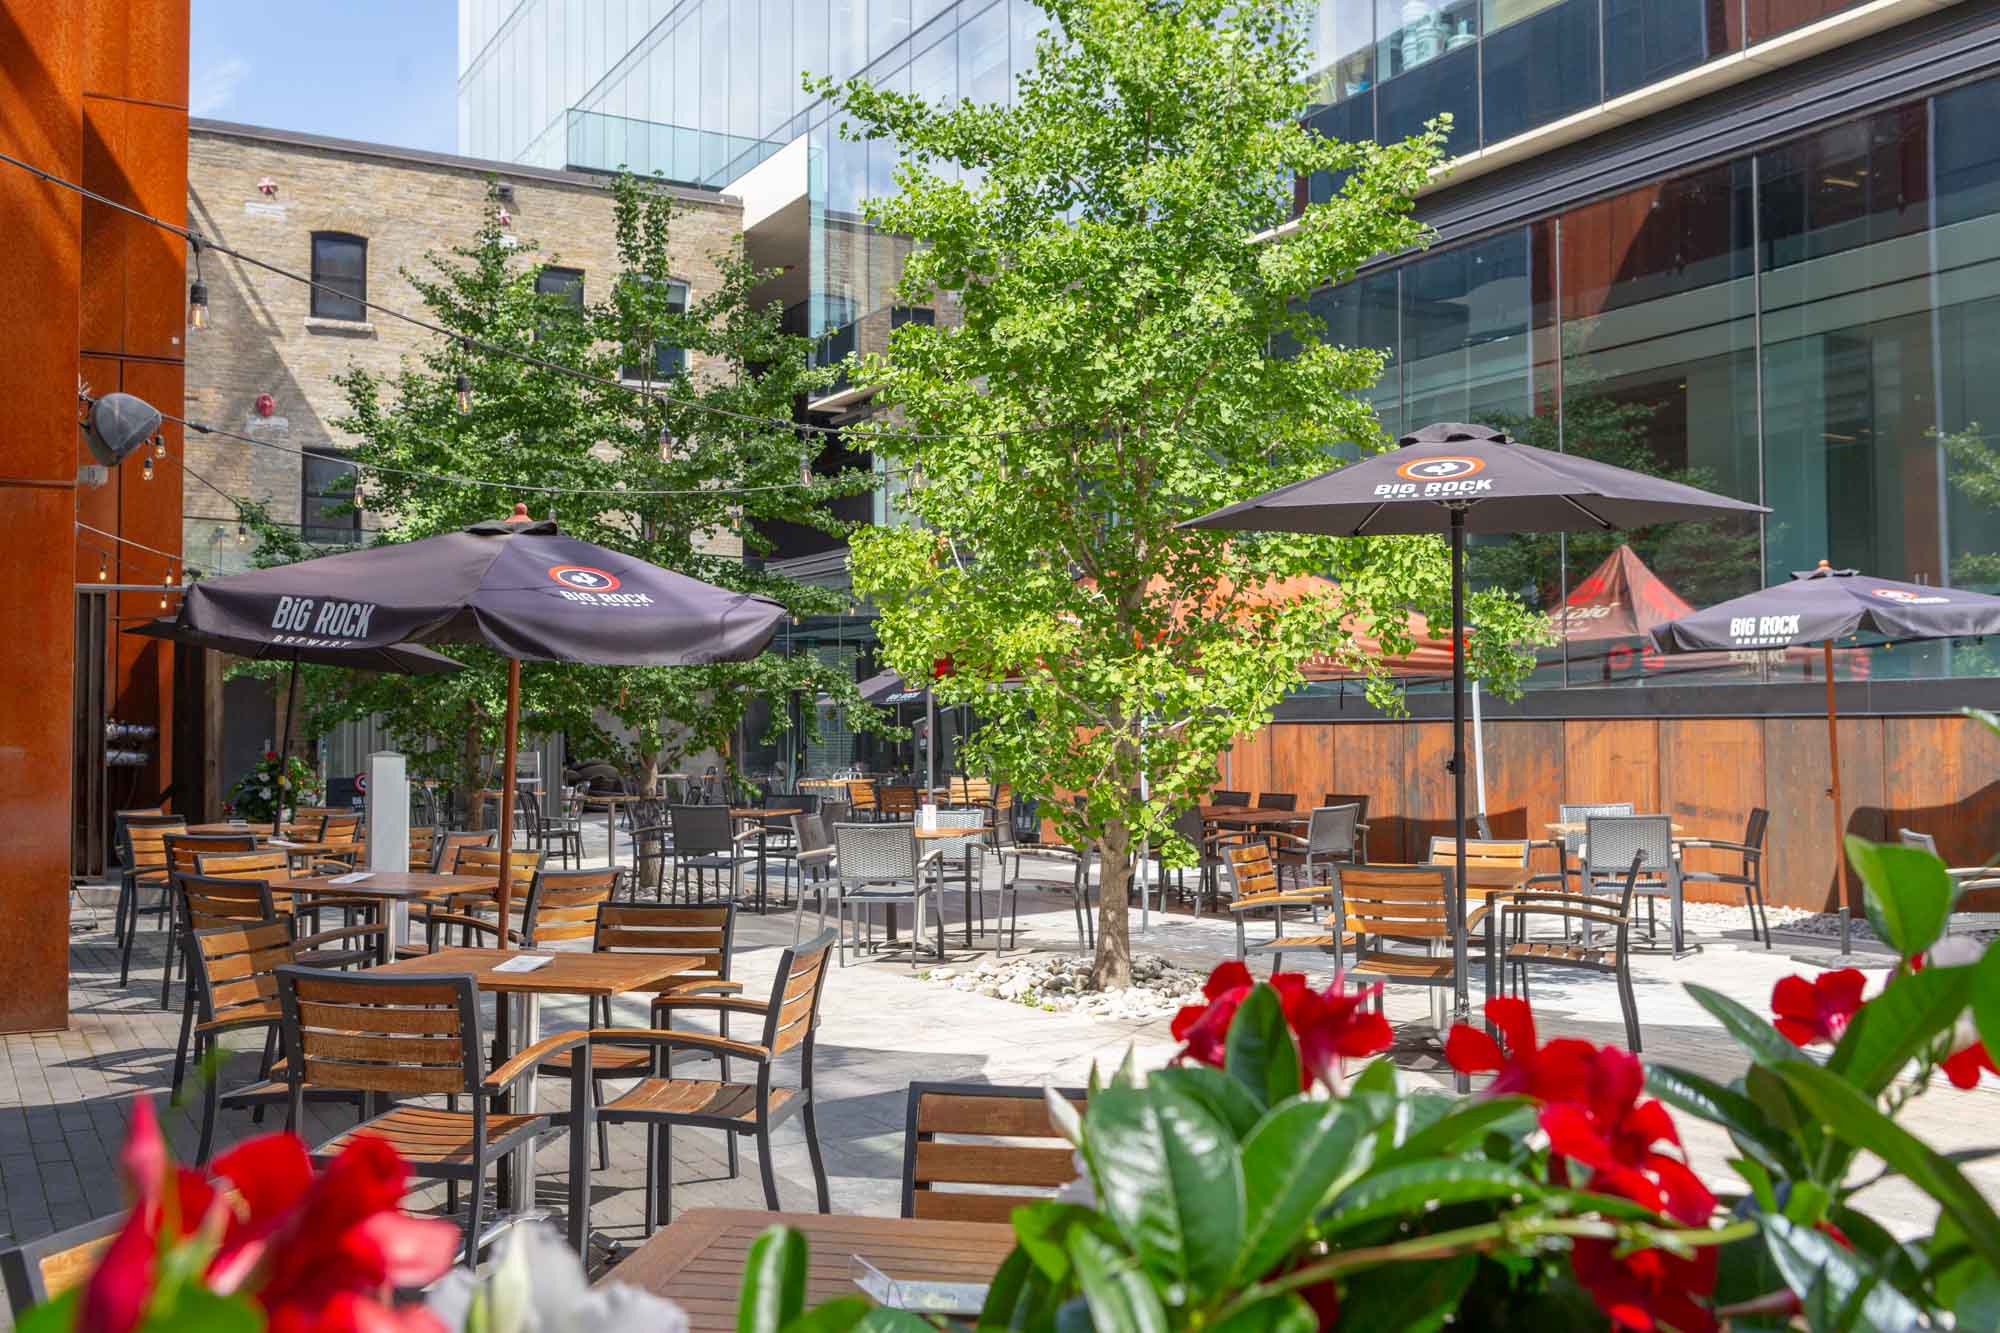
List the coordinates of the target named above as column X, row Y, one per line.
column 1441, row 476
column 594, row 587
column 304, row 621
column 1907, row 598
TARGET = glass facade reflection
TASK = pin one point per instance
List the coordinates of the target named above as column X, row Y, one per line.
column 1809, row 326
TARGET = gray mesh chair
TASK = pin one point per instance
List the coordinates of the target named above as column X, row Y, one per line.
column 1333, row 835
column 707, row 842
column 1570, row 845
column 1047, row 867
column 1611, row 841
column 814, row 859
column 1208, row 850
column 1223, row 796
column 961, row 865
column 879, row 865
column 1748, row 876
column 1963, row 878
column 1519, row 952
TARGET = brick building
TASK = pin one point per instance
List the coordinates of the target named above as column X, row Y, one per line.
column 357, row 216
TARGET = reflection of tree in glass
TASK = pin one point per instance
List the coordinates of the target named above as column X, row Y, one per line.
column 1705, row 562
column 1973, row 466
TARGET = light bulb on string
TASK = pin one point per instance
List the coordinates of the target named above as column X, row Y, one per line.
column 242, row 534
column 464, row 392
column 197, row 291
column 146, row 468
column 666, row 444
column 103, row 567
column 166, row 585
column 160, row 446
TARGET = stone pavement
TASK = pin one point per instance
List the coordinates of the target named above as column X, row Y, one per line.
column 64, row 1096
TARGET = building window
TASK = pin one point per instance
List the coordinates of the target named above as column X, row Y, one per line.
column 328, row 511
column 564, row 282
column 912, row 314
column 667, row 360
column 340, row 275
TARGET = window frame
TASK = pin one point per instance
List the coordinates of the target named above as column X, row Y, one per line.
column 570, row 291
column 322, row 282
column 312, row 519
column 656, row 373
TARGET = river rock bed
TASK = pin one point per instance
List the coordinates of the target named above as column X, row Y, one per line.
column 1061, row 982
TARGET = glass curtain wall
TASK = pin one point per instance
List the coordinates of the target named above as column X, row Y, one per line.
column 1815, row 326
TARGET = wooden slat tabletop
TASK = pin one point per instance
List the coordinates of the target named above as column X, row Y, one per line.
column 567, row 974
column 698, row 1261
column 1250, row 815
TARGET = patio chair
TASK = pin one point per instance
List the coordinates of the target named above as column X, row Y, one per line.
column 706, row 934
column 1072, row 882
column 880, row 865
column 1222, row 797
column 652, row 861
column 420, row 1036
column 897, row 802
column 1334, row 833
column 1568, row 910
column 523, row 866
column 563, row 830
column 814, row 858
column 182, row 851
column 1382, row 905
column 1963, row 878
column 455, row 841
column 1749, row 874
column 38, row 1271
column 707, row 842
column 834, row 810
column 861, row 800
column 1254, row 887
column 143, row 868
column 661, row 1102
column 971, row 1134
column 1651, row 836
column 1341, row 798
column 1569, row 845
column 544, row 906
column 1277, row 800
column 423, row 847
column 961, row 866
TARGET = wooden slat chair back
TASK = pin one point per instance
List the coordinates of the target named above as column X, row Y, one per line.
column 1492, row 853
column 145, row 849
column 212, row 901
column 522, row 866
column 423, row 847
column 183, row 848
column 145, row 866
column 41, row 1270
column 455, row 843
column 1250, row 868
column 401, row 1035
column 233, row 972
column 897, row 802
column 342, row 829
column 1254, row 887
column 861, row 798
column 566, row 904
column 793, row 1012
column 524, row 871
column 1399, row 902
column 1000, row 1141
column 706, row 933
column 264, row 866
column 969, row 791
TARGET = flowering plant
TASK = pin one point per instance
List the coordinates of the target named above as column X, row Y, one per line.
column 272, row 784
column 1271, row 1180
column 267, row 1243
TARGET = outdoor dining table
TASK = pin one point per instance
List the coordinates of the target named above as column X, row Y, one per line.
column 1571, row 830
column 395, row 890
column 1249, row 816
column 596, row 976
column 698, row 1260
column 611, row 801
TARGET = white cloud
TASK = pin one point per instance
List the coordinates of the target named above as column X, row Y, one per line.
column 213, row 87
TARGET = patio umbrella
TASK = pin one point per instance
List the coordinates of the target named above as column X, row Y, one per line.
column 889, row 687
column 402, row 659
column 1822, row 605
column 1455, row 478
column 516, row 585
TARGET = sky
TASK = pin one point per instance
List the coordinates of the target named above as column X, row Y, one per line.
column 383, row 71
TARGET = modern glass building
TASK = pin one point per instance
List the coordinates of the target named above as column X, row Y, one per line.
column 1754, row 244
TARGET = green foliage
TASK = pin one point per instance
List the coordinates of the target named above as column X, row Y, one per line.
column 1103, row 368
column 723, row 480
column 270, row 783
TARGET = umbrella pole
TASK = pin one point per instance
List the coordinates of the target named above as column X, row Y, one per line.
column 509, row 756
column 930, row 747
column 1833, row 790
column 1458, row 743
column 284, row 749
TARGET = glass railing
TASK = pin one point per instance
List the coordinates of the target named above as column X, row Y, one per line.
column 598, row 142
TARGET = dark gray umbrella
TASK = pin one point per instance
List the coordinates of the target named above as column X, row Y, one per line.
column 1455, row 478
column 889, row 687
column 516, row 585
column 1820, row 606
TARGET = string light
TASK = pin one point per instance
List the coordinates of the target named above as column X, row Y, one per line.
column 666, row 444
column 166, row 585
column 159, row 446
column 146, row 469
column 197, row 290
column 103, row 567
column 242, row 534
column 464, row 385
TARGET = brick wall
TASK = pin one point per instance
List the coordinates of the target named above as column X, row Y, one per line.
column 260, row 337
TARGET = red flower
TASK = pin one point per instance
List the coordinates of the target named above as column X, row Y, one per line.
column 1624, row 1159
column 1817, row 1010
column 1647, row 1289
column 1327, row 1024
column 270, row 754
column 1963, row 1069
column 1559, row 1071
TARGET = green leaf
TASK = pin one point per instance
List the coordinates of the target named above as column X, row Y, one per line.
column 1283, row 1313
column 1228, row 1099
column 1978, row 1306
column 1752, row 1131
column 1751, row 1030
column 196, row 1309
column 1814, row 1266
column 877, row 1320
column 1292, row 1161
column 56, row 1316
column 1261, row 1054
column 840, row 1315
column 1121, row 1295
column 1909, row 894
column 774, row 1281
column 1409, row 1298
column 1168, row 1176
column 1023, row 1295
column 1462, row 1121
column 1379, row 1077
column 1986, row 1000
column 1856, row 1120
column 1903, row 1020
column 1415, row 1187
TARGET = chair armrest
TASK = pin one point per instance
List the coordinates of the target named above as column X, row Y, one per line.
column 669, row 1037
column 709, row 987
column 748, row 834
column 343, row 933
column 1060, row 851
column 1289, row 897
column 214, row 1025
column 666, row 1003
column 816, row 854
column 471, row 922
column 1718, row 844
column 1570, row 906
column 1279, row 835
column 527, row 1061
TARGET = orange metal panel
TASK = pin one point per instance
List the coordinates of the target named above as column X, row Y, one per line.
column 1712, row 774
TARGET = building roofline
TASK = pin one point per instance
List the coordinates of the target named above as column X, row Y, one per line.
column 514, row 171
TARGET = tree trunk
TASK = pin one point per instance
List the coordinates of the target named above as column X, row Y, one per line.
column 1112, row 969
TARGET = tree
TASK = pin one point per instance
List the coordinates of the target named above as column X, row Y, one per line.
column 591, row 454
column 1106, row 374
